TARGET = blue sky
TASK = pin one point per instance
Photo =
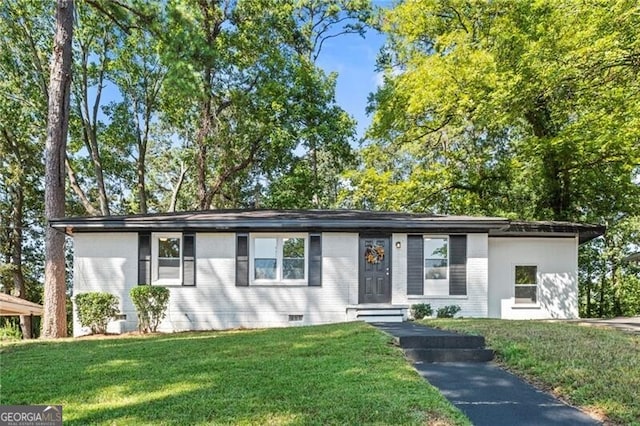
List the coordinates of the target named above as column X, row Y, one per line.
column 354, row 59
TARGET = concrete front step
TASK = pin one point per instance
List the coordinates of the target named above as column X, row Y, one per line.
column 451, row 341
column 380, row 318
column 380, row 311
column 449, row 355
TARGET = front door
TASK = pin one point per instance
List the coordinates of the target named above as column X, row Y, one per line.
column 375, row 269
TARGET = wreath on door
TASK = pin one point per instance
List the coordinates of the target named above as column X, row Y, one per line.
column 374, row 254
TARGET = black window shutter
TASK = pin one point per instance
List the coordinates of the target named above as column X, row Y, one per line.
column 144, row 258
column 415, row 264
column 189, row 259
column 242, row 260
column 315, row 260
column 458, row 265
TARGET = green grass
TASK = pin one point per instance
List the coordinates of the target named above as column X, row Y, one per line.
column 595, row 368
column 335, row 374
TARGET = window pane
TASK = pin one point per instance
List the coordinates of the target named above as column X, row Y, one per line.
column 168, row 258
column 265, row 269
column 293, row 248
column 526, row 294
column 435, row 248
column 435, row 269
column 293, row 259
column 266, row 248
column 293, row 269
column 526, row 275
column 169, row 247
column 265, row 260
column 436, row 258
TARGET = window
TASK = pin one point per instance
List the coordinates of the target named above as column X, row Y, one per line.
column 437, row 265
column 168, row 258
column 279, row 259
column 436, row 258
column 526, row 284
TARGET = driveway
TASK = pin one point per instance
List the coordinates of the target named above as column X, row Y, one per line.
column 630, row 324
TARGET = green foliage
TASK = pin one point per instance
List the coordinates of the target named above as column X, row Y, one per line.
column 610, row 286
column 9, row 330
column 421, row 310
column 96, row 309
column 448, row 311
column 590, row 367
column 151, row 305
column 221, row 377
column 507, row 108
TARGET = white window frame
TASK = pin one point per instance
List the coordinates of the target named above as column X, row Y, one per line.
column 279, row 280
column 155, row 239
column 536, row 285
column 436, row 287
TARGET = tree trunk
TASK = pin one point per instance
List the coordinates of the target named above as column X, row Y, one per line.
column 177, row 187
column 55, row 315
column 617, row 307
column 202, row 140
column 16, row 256
column 588, row 284
column 603, row 287
column 141, row 167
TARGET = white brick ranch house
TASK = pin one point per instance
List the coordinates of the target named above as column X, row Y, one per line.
column 267, row 268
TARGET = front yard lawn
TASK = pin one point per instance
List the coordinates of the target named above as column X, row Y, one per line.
column 595, row 368
column 335, row 374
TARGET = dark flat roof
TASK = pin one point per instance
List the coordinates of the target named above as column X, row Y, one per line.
column 320, row 220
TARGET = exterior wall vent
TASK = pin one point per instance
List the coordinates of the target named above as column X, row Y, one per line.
column 295, row 317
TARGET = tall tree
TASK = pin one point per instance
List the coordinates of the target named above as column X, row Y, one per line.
column 55, row 318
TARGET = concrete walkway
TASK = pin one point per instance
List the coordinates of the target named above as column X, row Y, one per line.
column 489, row 395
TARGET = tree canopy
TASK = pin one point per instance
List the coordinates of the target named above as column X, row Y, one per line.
column 513, row 108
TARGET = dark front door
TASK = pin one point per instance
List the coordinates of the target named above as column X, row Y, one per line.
column 375, row 269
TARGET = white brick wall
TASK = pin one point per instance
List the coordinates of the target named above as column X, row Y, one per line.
column 108, row 262
column 474, row 304
column 557, row 262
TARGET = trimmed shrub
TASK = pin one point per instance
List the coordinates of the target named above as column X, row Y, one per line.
column 95, row 309
column 448, row 311
column 421, row 310
column 151, row 305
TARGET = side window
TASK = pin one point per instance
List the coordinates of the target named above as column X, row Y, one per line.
column 526, row 284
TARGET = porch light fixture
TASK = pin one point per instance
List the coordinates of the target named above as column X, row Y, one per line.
column 398, row 244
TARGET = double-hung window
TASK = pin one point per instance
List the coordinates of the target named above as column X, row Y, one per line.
column 167, row 258
column 437, row 265
column 526, row 284
column 279, row 259
column 436, row 258
column 166, row 249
